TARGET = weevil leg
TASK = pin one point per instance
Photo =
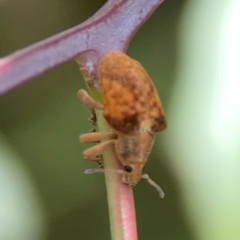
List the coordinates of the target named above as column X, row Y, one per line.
column 96, row 136
column 92, row 154
column 91, row 104
column 89, row 101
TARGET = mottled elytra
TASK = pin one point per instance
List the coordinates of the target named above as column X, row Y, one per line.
column 133, row 110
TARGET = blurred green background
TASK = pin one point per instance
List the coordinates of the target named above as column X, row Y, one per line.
column 43, row 191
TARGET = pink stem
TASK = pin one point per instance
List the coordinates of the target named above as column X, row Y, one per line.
column 111, row 28
column 121, row 203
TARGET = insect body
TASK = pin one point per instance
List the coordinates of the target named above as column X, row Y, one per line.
column 133, row 110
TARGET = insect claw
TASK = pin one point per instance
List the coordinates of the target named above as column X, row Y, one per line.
column 100, row 157
column 93, row 119
column 100, row 165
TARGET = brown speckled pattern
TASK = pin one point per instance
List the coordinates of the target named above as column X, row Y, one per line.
column 131, row 102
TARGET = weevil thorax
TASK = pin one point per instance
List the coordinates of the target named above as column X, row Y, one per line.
column 133, row 110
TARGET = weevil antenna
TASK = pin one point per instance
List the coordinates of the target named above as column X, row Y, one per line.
column 97, row 170
column 151, row 182
column 144, row 176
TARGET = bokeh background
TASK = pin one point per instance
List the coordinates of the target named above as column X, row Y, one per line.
column 191, row 51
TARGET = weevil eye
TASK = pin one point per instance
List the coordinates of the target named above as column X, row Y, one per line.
column 128, row 168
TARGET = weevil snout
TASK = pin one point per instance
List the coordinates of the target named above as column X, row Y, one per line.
column 127, row 182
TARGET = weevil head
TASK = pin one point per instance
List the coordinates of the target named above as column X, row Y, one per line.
column 132, row 174
column 133, row 151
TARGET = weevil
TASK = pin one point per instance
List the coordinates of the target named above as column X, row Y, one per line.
column 133, row 110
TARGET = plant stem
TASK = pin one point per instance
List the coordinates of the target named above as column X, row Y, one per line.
column 111, row 28
column 120, row 197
